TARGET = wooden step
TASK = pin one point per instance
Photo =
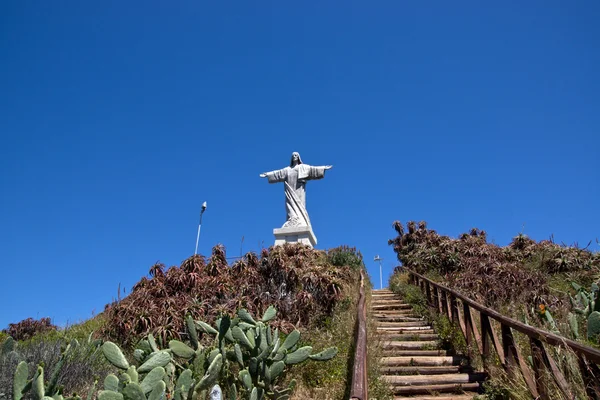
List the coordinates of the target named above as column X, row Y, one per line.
column 415, row 352
column 466, row 396
column 390, row 300
column 409, row 344
column 405, row 370
column 392, row 312
column 405, row 329
column 405, row 337
column 399, row 318
column 398, row 306
column 402, row 324
column 441, row 379
column 439, row 388
column 421, row 360
column 383, row 333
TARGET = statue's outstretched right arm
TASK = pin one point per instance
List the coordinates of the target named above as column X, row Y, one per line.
column 275, row 176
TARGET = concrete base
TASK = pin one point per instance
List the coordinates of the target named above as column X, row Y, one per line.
column 296, row 234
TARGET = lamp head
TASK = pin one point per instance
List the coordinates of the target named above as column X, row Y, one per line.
column 203, row 206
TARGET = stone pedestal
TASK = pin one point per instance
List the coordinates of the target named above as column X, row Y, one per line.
column 296, row 234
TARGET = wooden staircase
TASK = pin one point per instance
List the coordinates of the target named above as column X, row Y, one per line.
column 412, row 362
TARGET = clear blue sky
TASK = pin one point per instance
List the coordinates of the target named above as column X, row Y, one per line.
column 118, row 119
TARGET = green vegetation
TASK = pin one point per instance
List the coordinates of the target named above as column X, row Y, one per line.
column 538, row 283
column 73, row 366
column 246, row 356
column 314, row 292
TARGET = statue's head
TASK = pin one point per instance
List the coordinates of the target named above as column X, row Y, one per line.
column 295, row 159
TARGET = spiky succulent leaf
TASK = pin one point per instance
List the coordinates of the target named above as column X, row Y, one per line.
column 181, row 349
column 109, row 395
column 51, row 386
column 548, row 317
column 254, row 394
column 124, row 379
column 263, row 338
column 246, row 379
column 8, row 345
column 291, row 339
column 139, row 355
column 299, row 355
column 245, row 316
column 20, row 380
column 269, row 314
column 152, row 378
column 280, row 355
column 158, row 391
column 253, row 367
column 111, row 382
column 183, row 385
column 572, row 324
column 192, row 333
column 593, row 325
column 133, row 391
column 325, row 355
column 133, row 374
column 245, row 326
column 204, row 327
column 276, row 369
column 269, row 336
column 114, row 355
column 212, row 355
column 232, row 392
column 212, row 373
column 223, row 323
column 144, row 344
column 152, row 343
column 238, row 355
column 241, row 337
column 37, row 384
column 275, row 347
column 159, row 359
column 251, row 335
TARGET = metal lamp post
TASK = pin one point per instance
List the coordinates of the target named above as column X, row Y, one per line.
column 199, row 226
column 377, row 258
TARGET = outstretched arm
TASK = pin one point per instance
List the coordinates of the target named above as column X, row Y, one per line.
column 312, row 172
column 275, row 176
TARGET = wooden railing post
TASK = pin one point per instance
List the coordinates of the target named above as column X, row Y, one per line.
column 513, row 359
column 538, row 366
column 468, row 324
column 453, row 309
column 428, row 293
column 445, row 300
column 359, row 387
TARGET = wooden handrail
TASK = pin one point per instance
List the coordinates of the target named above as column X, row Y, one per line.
column 359, row 389
column 444, row 300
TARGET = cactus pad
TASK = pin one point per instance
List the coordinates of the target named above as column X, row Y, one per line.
column 114, row 355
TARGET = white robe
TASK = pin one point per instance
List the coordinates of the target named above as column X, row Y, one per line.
column 294, row 179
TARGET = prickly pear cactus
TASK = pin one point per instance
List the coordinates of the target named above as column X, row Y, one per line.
column 588, row 304
column 244, row 342
column 36, row 385
column 593, row 326
column 261, row 355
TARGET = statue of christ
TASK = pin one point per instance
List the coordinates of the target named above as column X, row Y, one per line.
column 294, row 180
